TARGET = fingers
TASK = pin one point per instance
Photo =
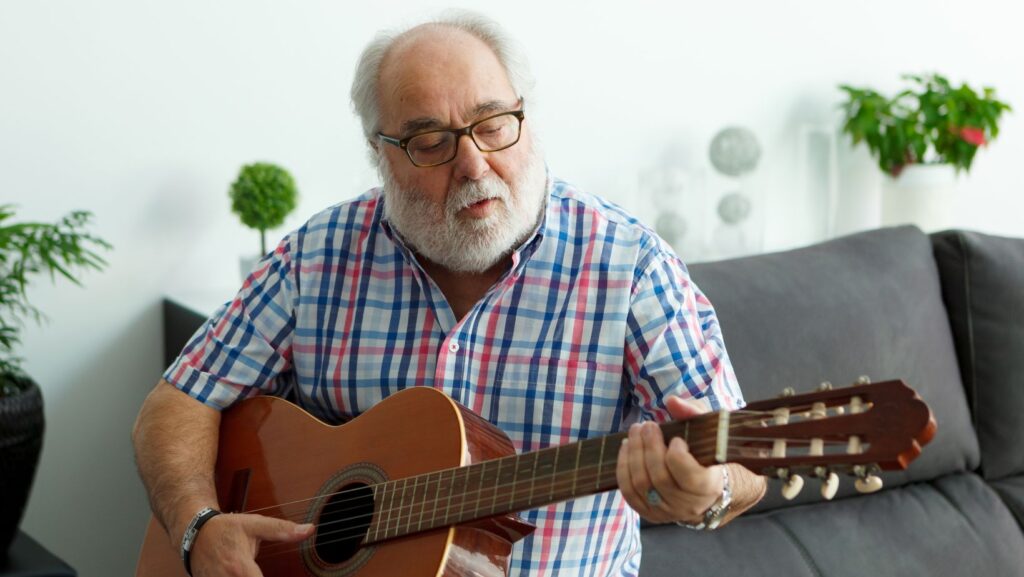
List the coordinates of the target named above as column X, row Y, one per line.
column 641, row 468
column 681, row 408
column 270, row 529
column 685, row 488
column 228, row 543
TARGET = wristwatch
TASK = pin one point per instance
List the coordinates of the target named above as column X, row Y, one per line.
column 716, row 512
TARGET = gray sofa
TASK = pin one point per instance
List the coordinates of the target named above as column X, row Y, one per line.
column 943, row 312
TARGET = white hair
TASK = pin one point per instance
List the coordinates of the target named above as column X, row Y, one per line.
column 364, row 92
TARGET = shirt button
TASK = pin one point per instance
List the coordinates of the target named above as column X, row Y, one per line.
column 453, row 347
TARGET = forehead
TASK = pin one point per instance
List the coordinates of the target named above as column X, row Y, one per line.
column 443, row 74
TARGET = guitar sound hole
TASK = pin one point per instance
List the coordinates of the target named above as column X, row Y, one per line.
column 343, row 523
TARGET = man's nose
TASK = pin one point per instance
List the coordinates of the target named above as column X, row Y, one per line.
column 470, row 163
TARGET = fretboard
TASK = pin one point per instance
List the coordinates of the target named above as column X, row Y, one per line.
column 514, row 483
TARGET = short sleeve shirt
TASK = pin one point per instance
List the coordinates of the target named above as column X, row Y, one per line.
column 595, row 323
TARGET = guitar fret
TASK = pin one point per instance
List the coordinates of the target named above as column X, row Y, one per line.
column 600, row 463
column 462, row 493
column 514, row 485
column 533, row 476
column 497, row 483
column 391, row 506
column 437, row 498
column 480, row 487
column 413, row 501
column 576, row 468
column 451, row 491
column 417, row 503
column 380, row 491
column 554, row 474
column 376, row 490
column 399, row 523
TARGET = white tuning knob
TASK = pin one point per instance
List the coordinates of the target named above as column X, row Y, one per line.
column 829, row 486
column 792, row 487
column 868, row 484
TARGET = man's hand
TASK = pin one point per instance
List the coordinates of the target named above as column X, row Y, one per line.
column 686, row 488
column 228, row 543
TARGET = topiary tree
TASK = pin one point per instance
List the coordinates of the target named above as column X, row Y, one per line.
column 261, row 196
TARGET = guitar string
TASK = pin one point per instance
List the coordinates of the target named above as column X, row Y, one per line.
column 493, row 489
column 414, row 479
column 404, row 520
column 710, row 426
column 359, row 531
column 697, row 446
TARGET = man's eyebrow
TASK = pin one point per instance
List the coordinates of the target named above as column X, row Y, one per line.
column 493, row 107
column 419, row 124
column 430, row 123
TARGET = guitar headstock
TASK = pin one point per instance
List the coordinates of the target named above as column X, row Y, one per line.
column 856, row 430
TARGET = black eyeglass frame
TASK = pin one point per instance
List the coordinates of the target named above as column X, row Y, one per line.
column 403, row 143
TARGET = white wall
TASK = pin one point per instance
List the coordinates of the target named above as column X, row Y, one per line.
column 142, row 112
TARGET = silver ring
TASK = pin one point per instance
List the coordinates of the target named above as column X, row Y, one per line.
column 653, row 497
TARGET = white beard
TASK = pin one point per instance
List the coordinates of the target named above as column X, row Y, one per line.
column 468, row 244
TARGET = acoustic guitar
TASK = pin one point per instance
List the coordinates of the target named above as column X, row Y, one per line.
column 420, row 485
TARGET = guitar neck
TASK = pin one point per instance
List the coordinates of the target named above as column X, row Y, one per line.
column 519, row 482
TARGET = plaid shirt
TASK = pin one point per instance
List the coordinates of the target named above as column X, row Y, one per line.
column 593, row 325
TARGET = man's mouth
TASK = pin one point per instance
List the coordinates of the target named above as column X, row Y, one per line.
column 480, row 208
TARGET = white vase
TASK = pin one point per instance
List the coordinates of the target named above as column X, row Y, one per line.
column 922, row 195
column 246, row 264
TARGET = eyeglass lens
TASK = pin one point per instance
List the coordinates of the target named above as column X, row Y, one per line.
column 490, row 135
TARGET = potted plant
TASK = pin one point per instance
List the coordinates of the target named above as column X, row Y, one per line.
column 262, row 196
column 921, row 138
column 27, row 249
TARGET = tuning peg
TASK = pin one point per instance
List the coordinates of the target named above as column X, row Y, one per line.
column 792, row 486
column 825, row 386
column 830, row 486
column 788, row 392
column 829, row 482
column 863, row 380
column 866, row 482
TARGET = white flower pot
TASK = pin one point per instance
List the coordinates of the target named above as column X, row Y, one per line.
column 246, row 264
column 922, row 195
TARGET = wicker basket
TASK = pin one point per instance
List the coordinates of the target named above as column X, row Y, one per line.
column 21, row 439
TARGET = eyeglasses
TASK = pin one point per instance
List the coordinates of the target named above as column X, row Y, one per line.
column 437, row 147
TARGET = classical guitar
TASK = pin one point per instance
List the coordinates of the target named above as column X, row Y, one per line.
column 419, row 485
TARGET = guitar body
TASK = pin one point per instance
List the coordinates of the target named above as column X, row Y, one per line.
column 276, row 459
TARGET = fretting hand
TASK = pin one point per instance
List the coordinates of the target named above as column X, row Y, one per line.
column 666, row 483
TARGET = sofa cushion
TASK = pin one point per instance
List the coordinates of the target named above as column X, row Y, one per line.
column 983, row 285
column 955, row 525
column 865, row 304
column 1011, row 489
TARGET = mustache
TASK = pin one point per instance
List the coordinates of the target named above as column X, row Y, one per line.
column 472, row 192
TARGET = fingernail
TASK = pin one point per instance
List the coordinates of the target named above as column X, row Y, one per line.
column 303, row 529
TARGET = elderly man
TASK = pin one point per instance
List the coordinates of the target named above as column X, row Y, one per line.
column 551, row 313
